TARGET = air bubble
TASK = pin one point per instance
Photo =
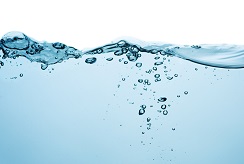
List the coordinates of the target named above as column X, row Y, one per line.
column 138, row 65
column 141, row 111
column 140, row 80
column 157, row 75
column 109, row 59
column 165, row 112
column 58, row 45
column 186, row 92
column 91, row 60
column 21, row 75
column 162, row 99
column 163, row 106
column 158, row 63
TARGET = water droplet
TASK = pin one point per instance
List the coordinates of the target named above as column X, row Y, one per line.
column 91, row 60
column 157, row 75
column 165, row 112
column 163, row 106
column 121, row 43
column 138, row 65
column 162, row 99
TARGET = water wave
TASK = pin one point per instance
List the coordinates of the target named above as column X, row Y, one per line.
column 16, row 44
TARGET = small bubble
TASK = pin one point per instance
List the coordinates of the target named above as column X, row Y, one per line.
column 157, row 57
column 123, row 79
column 155, row 68
column 1, row 63
column 173, row 129
column 165, row 112
column 58, row 45
column 44, row 66
column 21, row 75
column 158, row 79
column 163, row 106
column 158, row 63
column 148, row 119
column 91, row 60
column 109, row 59
column 141, row 111
column 175, row 75
column 138, row 65
column 125, row 62
column 162, row 99
column 178, row 95
column 196, row 69
column 140, row 80
column 146, row 81
column 143, row 106
column 186, row 92
column 157, row 75
column 169, row 77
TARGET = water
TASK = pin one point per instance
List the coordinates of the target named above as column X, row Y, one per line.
column 159, row 103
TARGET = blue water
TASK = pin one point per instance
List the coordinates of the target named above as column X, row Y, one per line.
column 124, row 102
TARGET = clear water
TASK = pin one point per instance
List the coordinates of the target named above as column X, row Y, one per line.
column 124, row 102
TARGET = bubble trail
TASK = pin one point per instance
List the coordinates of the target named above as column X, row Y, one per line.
column 16, row 44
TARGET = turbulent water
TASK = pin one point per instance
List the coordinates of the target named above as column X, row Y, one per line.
column 15, row 44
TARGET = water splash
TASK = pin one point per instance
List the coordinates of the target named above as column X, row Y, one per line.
column 16, row 44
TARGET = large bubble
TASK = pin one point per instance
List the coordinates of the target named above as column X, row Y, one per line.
column 15, row 40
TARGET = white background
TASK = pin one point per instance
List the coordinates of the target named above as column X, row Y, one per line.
column 86, row 24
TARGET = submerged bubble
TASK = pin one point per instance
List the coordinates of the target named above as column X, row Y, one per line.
column 44, row 66
column 140, row 80
column 109, row 59
column 158, row 63
column 58, row 45
column 162, row 99
column 163, row 106
column 141, row 111
column 148, row 119
column 21, row 75
column 157, row 75
column 138, row 64
column 165, row 112
column 91, row 60
column 186, row 92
